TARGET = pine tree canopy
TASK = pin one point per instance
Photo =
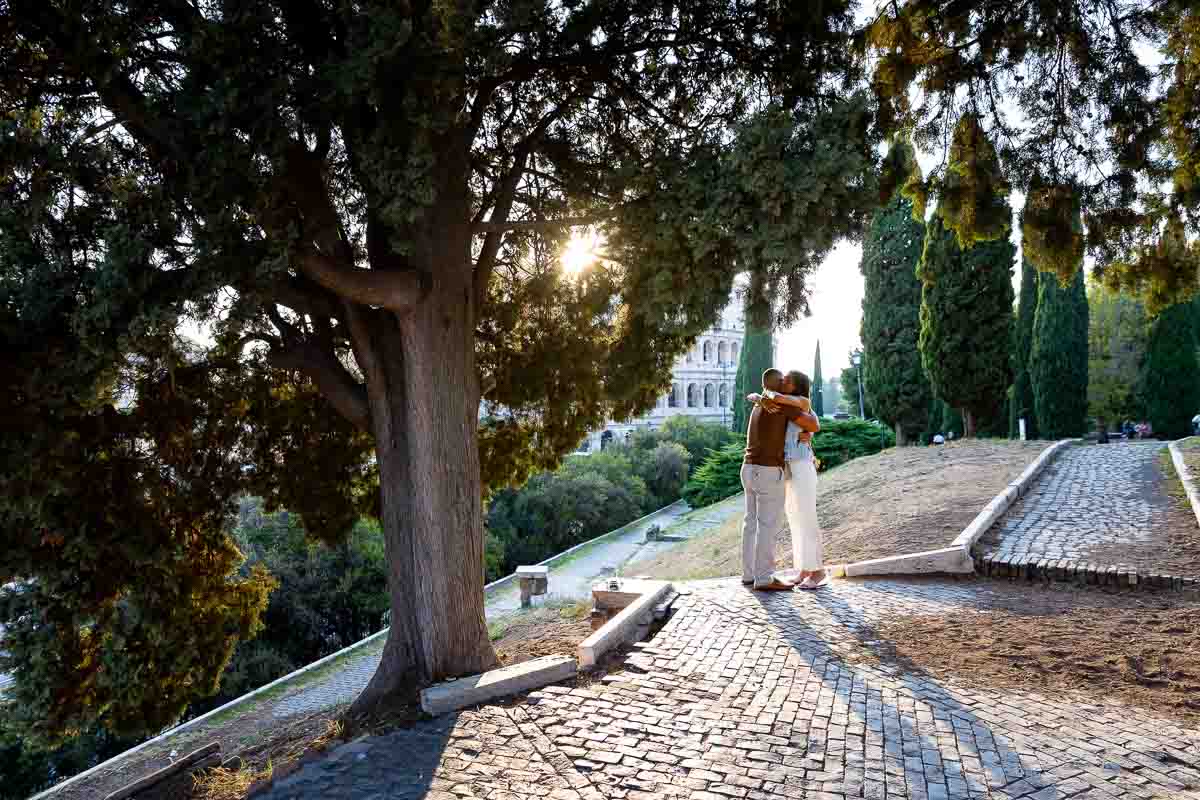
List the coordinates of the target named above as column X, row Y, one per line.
column 893, row 376
column 1058, row 353
column 362, row 207
column 1075, row 96
column 1058, row 358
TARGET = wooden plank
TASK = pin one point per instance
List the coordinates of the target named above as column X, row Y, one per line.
column 196, row 756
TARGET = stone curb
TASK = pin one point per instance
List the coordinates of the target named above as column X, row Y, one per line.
column 502, row 682
column 955, row 559
column 1186, row 478
column 617, row 630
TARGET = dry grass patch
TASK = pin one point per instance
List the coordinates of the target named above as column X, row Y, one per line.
column 903, row 500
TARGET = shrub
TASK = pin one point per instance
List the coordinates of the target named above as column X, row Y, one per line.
column 839, row 441
column 717, row 478
column 846, row 439
column 328, row 598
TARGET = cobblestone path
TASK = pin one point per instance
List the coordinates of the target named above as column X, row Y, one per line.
column 745, row 695
column 1100, row 506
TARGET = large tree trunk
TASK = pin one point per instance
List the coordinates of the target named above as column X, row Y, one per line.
column 901, row 439
column 424, row 396
column 968, row 424
column 425, row 413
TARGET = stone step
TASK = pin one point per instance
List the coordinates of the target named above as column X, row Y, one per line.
column 1030, row 568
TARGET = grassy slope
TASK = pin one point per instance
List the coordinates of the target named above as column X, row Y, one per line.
column 900, row 501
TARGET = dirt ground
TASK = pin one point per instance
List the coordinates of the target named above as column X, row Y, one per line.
column 544, row 632
column 1139, row 648
column 903, row 500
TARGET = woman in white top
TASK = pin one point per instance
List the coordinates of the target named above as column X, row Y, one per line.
column 800, row 503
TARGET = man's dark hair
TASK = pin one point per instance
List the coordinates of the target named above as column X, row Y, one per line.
column 802, row 382
column 767, row 375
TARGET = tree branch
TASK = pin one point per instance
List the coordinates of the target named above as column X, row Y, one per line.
column 542, row 224
column 397, row 291
column 311, row 300
column 333, row 380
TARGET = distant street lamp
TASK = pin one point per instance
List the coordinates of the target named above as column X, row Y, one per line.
column 856, row 359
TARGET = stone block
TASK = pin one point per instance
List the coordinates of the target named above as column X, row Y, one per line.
column 625, row 626
column 628, row 590
column 205, row 757
column 502, row 682
column 954, row 560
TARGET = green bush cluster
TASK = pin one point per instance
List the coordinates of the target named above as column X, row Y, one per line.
column 839, row 441
column 595, row 493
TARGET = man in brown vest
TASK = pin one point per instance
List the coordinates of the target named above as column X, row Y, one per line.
column 763, row 479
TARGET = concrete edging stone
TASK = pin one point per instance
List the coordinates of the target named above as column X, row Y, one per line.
column 615, row 632
column 1186, row 478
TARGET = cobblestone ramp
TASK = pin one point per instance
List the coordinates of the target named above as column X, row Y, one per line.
column 746, row 695
column 1100, row 514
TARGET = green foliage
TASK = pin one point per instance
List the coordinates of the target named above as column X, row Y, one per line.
column 974, row 195
column 1051, row 233
column 892, row 373
column 720, row 476
column 753, row 360
column 839, row 441
column 818, row 382
column 328, row 597
column 966, row 321
column 1058, row 360
column 1117, row 333
column 952, row 421
column 696, row 437
column 1171, row 376
column 624, row 481
column 557, row 510
column 1022, row 405
column 1088, row 92
column 267, row 177
column 26, row 769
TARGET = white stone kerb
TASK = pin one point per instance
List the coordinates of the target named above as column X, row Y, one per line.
column 1186, row 478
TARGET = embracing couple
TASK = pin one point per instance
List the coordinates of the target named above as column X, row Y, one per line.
column 780, row 477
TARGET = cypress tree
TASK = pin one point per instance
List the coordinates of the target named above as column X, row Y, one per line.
column 1022, row 394
column 1058, row 358
column 892, row 373
column 1171, row 376
column 753, row 360
column 966, row 321
column 818, row 382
